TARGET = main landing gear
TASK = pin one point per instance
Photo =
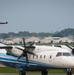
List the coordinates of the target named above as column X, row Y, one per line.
column 43, row 72
column 22, row 73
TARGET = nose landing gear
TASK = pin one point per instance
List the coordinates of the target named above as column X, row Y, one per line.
column 69, row 72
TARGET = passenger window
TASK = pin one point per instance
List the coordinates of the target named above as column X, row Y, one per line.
column 59, row 54
column 44, row 56
column 50, row 56
column 37, row 56
column 33, row 56
column 40, row 56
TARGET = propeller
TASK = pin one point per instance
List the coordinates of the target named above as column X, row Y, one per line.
column 70, row 48
column 26, row 51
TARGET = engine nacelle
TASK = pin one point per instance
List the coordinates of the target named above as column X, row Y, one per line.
column 14, row 51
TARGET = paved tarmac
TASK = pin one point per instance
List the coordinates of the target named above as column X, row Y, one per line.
column 27, row 74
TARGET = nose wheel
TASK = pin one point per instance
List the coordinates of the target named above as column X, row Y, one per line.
column 69, row 72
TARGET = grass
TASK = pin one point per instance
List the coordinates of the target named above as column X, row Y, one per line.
column 8, row 70
column 57, row 71
column 13, row 70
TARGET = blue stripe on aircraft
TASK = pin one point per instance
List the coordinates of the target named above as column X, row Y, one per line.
column 6, row 58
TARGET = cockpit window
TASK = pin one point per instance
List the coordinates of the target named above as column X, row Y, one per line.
column 66, row 54
column 59, row 54
column 63, row 54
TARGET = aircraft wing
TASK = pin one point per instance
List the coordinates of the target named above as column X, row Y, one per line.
column 17, row 47
column 2, row 46
column 6, row 47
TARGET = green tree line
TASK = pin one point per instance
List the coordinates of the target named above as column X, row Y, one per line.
column 62, row 33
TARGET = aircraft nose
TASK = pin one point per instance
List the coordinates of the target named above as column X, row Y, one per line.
column 71, row 63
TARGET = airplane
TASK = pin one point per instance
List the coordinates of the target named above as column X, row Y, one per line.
column 4, row 22
column 36, row 58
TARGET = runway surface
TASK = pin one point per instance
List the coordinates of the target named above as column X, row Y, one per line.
column 27, row 74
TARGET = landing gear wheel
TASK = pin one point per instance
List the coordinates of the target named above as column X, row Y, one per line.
column 69, row 73
column 44, row 72
column 22, row 73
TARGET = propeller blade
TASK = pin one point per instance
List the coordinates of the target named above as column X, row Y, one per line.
column 6, row 47
column 20, row 56
column 31, row 44
column 30, row 52
column 26, row 58
column 27, row 47
column 24, row 42
column 68, row 46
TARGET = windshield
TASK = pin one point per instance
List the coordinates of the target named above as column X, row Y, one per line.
column 63, row 54
column 59, row 54
column 66, row 54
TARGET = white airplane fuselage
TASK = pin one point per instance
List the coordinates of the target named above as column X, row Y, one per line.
column 46, row 56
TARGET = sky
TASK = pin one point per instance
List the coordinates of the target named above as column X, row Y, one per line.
column 36, row 15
